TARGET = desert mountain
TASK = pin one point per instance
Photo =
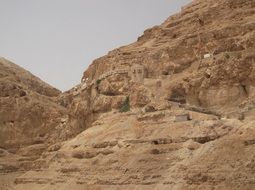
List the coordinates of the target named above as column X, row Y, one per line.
column 29, row 115
column 174, row 110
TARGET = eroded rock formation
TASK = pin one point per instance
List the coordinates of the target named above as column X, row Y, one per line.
column 174, row 110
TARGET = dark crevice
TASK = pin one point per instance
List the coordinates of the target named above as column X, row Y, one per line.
column 203, row 140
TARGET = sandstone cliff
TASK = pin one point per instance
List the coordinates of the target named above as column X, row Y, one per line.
column 204, row 54
column 174, row 110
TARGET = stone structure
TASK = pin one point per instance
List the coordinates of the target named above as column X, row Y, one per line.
column 182, row 117
column 137, row 73
column 113, row 72
column 124, row 70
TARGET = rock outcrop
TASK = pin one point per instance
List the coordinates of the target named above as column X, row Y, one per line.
column 206, row 53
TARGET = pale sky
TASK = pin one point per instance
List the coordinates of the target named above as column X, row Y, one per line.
column 57, row 40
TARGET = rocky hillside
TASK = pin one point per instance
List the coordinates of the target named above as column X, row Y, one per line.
column 174, row 110
column 29, row 117
column 205, row 54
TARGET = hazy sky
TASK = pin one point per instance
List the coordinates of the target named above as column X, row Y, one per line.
column 57, row 39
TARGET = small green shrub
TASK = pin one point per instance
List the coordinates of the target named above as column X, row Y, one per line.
column 97, row 83
column 125, row 106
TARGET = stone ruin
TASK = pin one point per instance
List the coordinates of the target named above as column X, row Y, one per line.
column 137, row 73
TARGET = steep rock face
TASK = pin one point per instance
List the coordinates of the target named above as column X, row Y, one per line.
column 209, row 47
